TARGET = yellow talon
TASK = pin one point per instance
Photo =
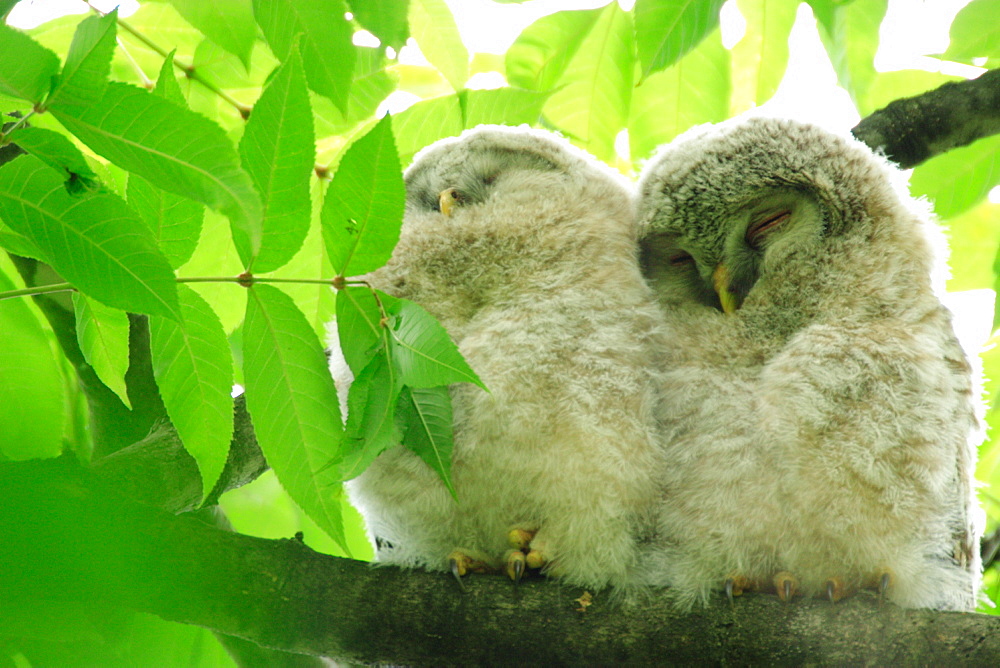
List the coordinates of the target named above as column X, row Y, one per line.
column 519, row 538
column 835, row 589
column 535, row 559
column 514, row 565
column 786, row 584
column 735, row 585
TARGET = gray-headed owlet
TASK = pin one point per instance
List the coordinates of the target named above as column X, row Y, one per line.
column 819, row 414
column 524, row 248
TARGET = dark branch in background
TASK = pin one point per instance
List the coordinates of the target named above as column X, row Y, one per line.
column 69, row 539
column 915, row 129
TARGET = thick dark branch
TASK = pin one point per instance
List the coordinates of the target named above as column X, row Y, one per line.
column 159, row 471
column 915, row 129
column 67, row 539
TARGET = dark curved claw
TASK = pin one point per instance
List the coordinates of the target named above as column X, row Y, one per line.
column 883, row 587
column 518, row 571
column 456, row 570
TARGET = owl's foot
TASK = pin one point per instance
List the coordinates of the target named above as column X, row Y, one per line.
column 461, row 562
column 835, row 589
column 522, row 556
column 786, row 584
column 735, row 585
column 882, row 584
column 515, row 564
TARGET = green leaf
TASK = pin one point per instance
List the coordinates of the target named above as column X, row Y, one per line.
column 975, row 32
column 386, row 19
column 102, row 333
column 973, row 238
column 31, row 387
column 293, row 402
column 363, row 211
column 228, row 23
column 358, row 327
column 26, row 67
column 324, row 41
column 6, row 6
column 540, row 54
column 88, row 62
column 55, row 150
column 426, row 122
column 371, row 424
column 316, row 301
column 372, row 84
column 665, row 30
column 278, row 150
column 166, row 83
column 426, row 412
column 194, row 373
column 422, row 350
column 959, row 178
column 94, row 241
column 592, row 105
column 18, row 243
column 850, row 32
column 175, row 149
column 434, row 29
column 506, row 106
column 692, row 91
column 175, row 221
column 215, row 255
column 760, row 58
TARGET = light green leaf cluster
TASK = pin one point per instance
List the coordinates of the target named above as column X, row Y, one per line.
column 402, row 361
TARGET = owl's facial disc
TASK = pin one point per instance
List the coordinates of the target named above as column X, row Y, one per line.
column 739, row 268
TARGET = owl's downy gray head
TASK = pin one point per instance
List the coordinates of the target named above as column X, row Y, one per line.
column 724, row 206
column 500, row 208
column 444, row 183
column 470, row 169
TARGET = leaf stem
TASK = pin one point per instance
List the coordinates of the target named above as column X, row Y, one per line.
column 18, row 124
column 40, row 290
column 189, row 70
column 245, row 280
column 254, row 279
column 146, row 81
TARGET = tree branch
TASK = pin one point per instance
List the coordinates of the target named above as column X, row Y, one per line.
column 159, row 471
column 68, row 538
column 915, row 129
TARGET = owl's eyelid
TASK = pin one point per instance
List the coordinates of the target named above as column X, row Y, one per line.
column 767, row 223
column 679, row 258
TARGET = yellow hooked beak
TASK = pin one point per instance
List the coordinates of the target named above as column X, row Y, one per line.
column 447, row 200
column 720, row 281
